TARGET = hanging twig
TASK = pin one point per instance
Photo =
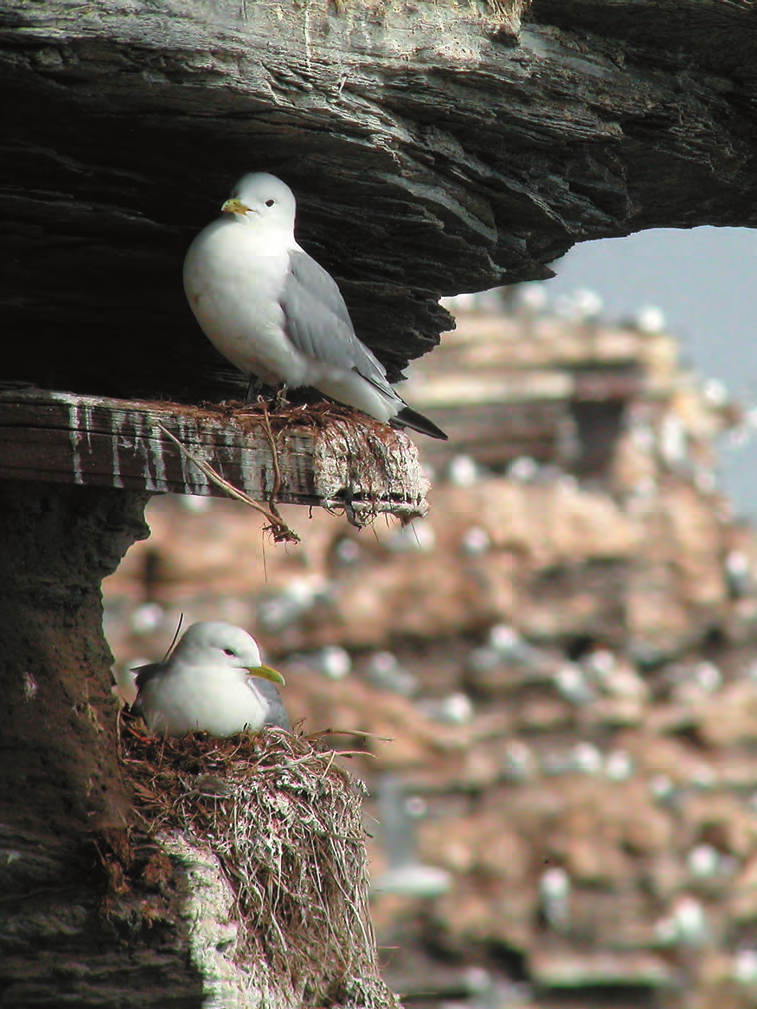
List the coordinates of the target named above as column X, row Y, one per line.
column 274, row 456
column 277, row 526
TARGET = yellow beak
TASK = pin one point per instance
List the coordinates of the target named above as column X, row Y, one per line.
column 234, row 206
column 267, row 674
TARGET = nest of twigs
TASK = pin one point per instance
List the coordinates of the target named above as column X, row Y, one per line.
column 283, row 816
column 302, row 408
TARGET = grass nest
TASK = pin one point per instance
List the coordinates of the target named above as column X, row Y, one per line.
column 284, row 818
column 302, row 408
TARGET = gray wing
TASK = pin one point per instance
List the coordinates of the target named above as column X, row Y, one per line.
column 144, row 675
column 318, row 323
column 276, row 713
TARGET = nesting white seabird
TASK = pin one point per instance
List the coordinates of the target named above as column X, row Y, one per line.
column 213, row 681
column 276, row 314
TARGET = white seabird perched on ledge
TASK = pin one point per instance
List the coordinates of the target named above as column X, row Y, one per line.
column 276, row 314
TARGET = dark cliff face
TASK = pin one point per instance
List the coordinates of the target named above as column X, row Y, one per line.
column 432, row 152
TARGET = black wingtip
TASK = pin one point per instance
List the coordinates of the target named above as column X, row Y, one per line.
column 407, row 417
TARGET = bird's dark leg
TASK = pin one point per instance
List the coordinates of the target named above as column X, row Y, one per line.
column 253, row 389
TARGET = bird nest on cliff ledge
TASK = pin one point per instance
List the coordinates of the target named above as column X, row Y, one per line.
column 284, row 818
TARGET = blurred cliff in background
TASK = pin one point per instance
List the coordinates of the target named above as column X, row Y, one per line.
column 563, row 653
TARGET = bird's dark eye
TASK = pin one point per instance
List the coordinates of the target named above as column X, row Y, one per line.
column 270, row 203
column 228, row 651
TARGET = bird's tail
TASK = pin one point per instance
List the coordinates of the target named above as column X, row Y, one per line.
column 407, row 417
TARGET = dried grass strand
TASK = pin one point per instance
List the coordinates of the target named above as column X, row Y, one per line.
column 278, row 528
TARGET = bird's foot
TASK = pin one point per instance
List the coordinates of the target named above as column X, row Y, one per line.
column 259, row 392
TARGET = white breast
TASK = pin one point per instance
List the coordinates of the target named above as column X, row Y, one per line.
column 218, row 700
column 233, row 281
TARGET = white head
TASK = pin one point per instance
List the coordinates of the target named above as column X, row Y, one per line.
column 211, row 642
column 264, row 202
